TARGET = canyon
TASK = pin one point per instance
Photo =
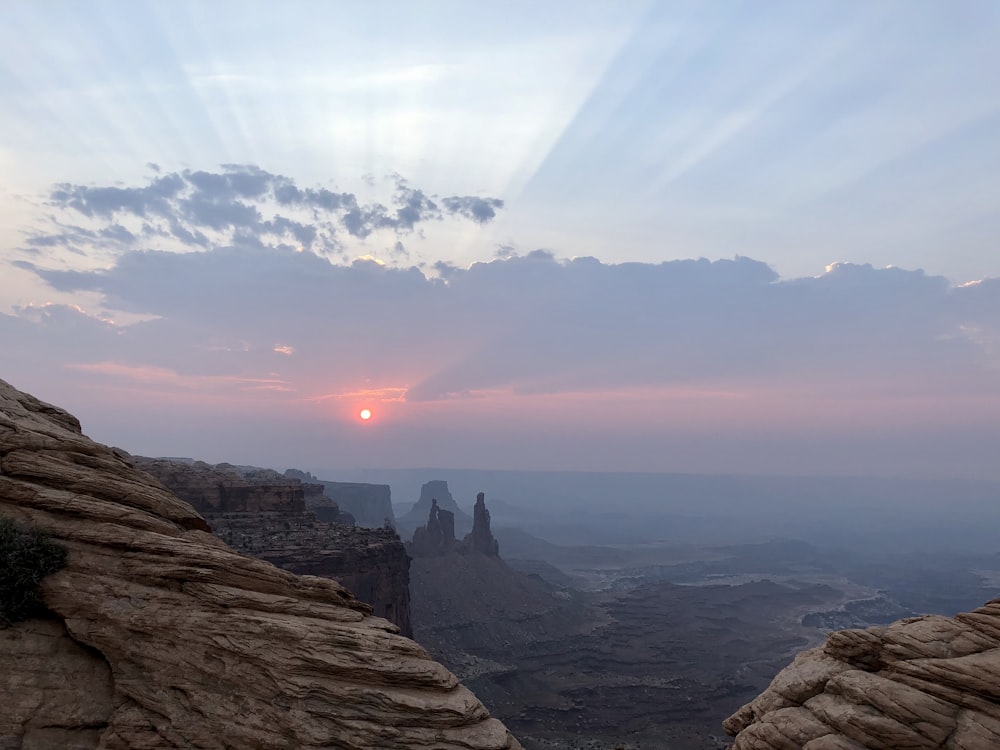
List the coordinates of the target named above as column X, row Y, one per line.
column 156, row 634
column 159, row 633
column 653, row 647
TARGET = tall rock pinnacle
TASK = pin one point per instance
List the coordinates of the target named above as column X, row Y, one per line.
column 481, row 539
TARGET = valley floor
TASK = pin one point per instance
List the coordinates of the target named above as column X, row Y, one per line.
column 621, row 657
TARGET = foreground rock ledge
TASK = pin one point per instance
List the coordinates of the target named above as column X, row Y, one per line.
column 921, row 683
column 162, row 637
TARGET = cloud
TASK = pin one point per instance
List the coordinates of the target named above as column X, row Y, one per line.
column 163, row 376
column 380, row 395
column 247, row 343
column 240, row 203
column 481, row 210
column 537, row 324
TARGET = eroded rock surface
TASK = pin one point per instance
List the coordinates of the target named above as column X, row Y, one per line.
column 276, row 518
column 371, row 563
column 919, row 683
column 203, row 647
column 224, row 488
column 56, row 693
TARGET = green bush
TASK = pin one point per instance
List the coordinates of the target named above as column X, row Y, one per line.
column 27, row 555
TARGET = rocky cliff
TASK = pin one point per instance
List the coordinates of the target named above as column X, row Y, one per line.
column 371, row 563
column 370, row 504
column 271, row 522
column 160, row 636
column 481, row 538
column 224, row 488
column 919, row 683
column 434, row 492
column 437, row 536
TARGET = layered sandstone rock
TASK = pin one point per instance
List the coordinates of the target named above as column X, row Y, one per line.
column 371, row 563
column 160, row 636
column 920, row 683
column 223, row 488
column 271, row 522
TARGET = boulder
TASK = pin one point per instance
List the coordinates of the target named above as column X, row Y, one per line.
column 917, row 684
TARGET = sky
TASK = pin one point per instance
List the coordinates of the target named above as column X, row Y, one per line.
column 749, row 237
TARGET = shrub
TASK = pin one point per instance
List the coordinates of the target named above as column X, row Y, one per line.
column 27, row 555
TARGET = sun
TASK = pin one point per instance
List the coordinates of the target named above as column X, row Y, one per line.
column 365, row 414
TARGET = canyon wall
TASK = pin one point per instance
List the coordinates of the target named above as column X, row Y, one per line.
column 371, row 563
column 370, row 504
column 434, row 491
column 270, row 521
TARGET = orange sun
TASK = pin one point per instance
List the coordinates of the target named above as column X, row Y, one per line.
column 365, row 414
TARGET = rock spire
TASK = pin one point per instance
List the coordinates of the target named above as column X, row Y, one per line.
column 481, row 539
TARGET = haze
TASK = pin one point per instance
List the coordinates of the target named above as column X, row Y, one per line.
column 709, row 238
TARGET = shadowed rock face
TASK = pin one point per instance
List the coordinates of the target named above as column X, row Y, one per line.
column 920, row 683
column 222, row 488
column 434, row 492
column 481, row 539
column 172, row 640
column 369, row 504
column 437, row 536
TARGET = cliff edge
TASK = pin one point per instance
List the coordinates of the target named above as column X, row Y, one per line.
column 160, row 636
column 267, row 515
column 919, row 683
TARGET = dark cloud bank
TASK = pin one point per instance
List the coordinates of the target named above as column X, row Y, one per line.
column 533, row 323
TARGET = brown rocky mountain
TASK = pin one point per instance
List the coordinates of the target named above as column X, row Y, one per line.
column 921, row 683
column 274, row 517
column 158, row 635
